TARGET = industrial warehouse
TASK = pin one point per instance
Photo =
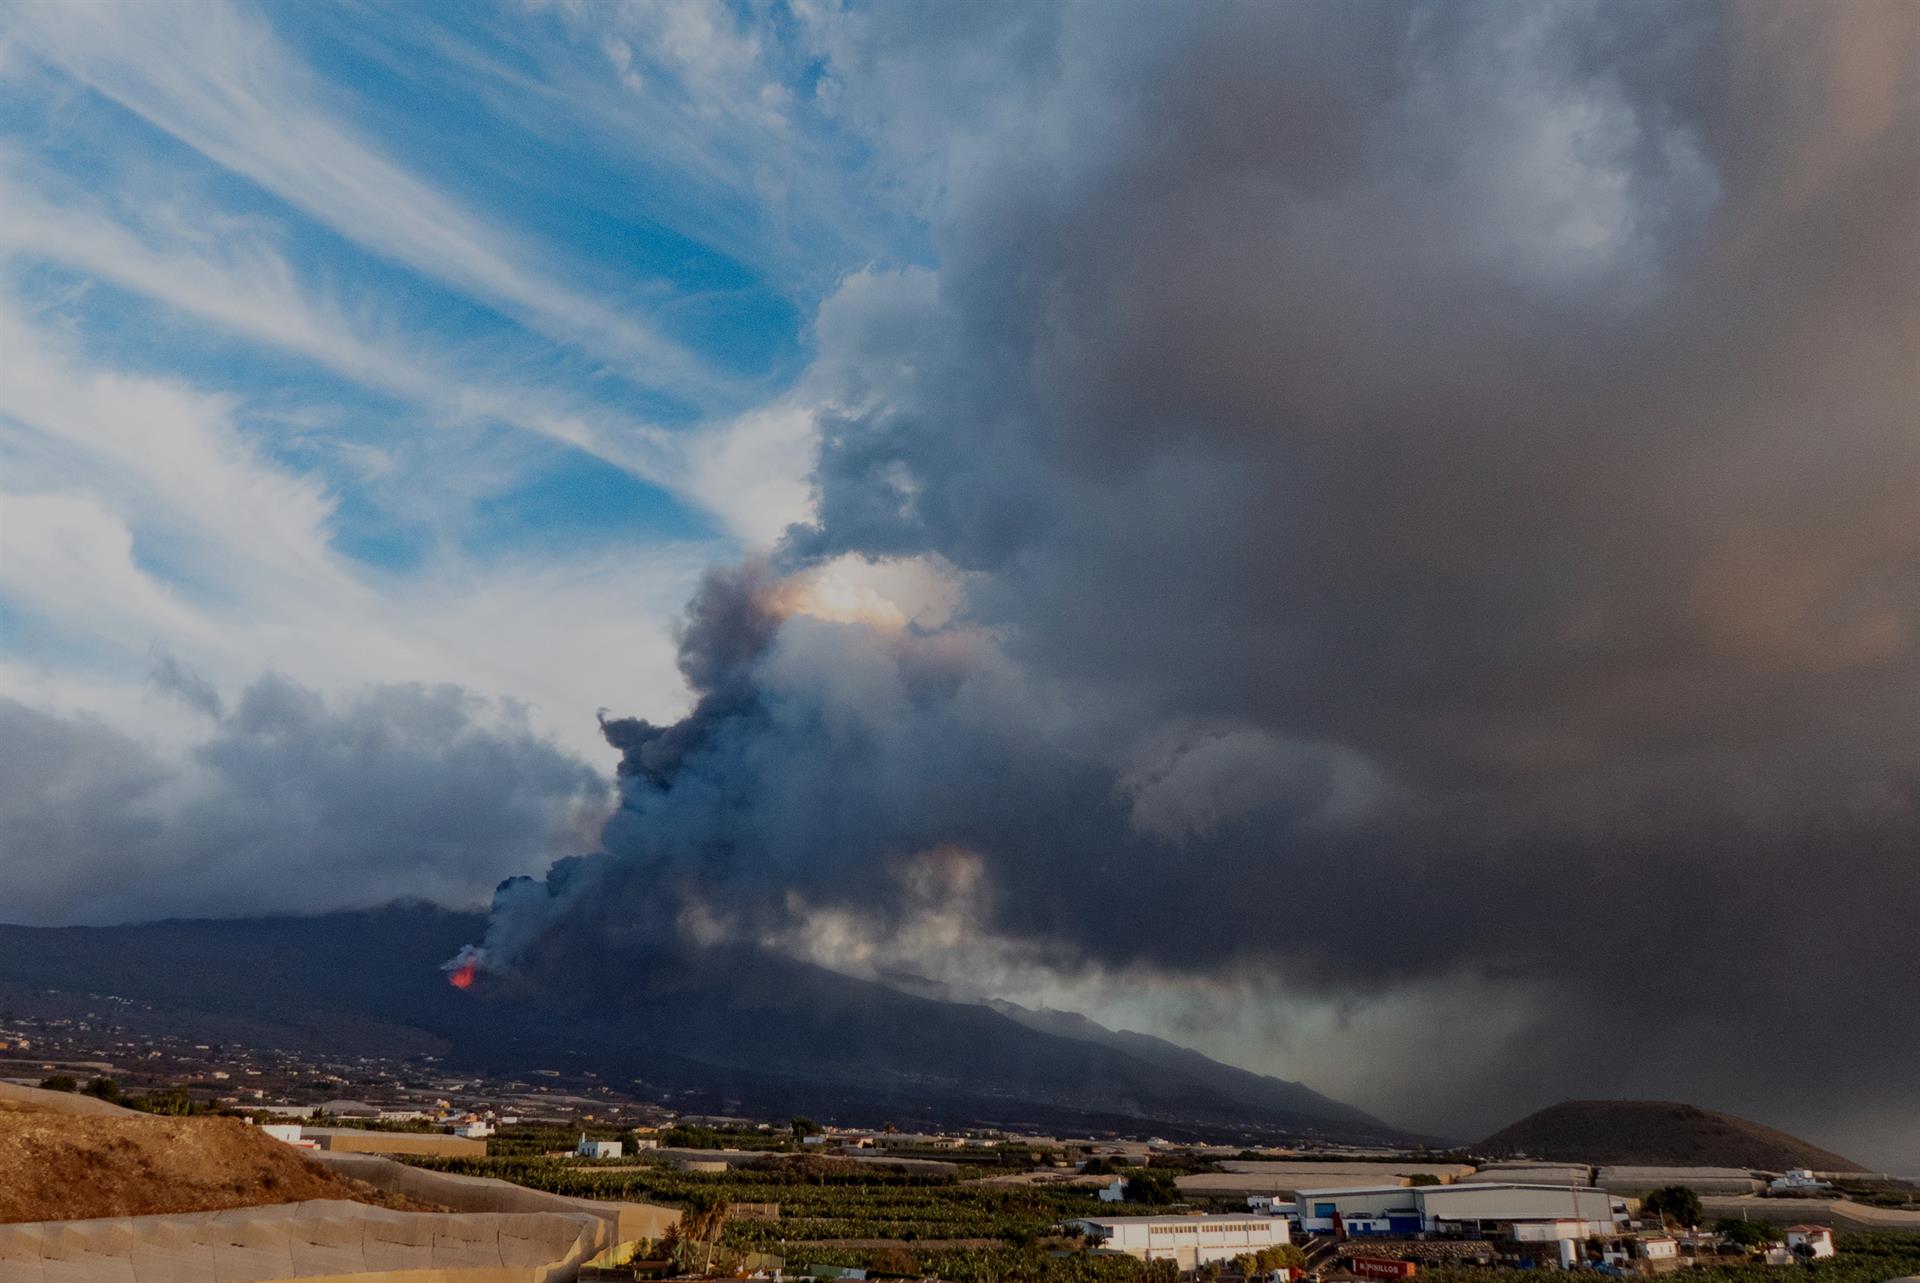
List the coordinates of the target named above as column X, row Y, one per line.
column 1188, row 1241
column 1564, row 1216
column 1478, row 1209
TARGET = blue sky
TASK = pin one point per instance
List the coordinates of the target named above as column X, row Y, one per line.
column 373, row 343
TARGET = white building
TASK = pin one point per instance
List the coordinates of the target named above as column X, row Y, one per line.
column 1800, row 1178
column 597, row 1148
column 1358, row 1209
column 1188, row 1241
column 288, row 1133
column 1810, row 1241
column 1657, row 1248
column 1504, row 1211
column 1568, row 1236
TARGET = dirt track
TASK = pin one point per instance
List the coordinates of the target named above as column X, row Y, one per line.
column 1840, row 1212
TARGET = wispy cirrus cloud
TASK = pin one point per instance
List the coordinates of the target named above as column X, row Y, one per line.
column 217, row 78
column 206, row 516
column 243, row 282
column 140, row 513
column 730, row 119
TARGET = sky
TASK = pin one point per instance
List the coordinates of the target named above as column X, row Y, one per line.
column 1377, row 540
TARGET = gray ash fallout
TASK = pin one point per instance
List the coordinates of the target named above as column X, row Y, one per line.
column 1421, row 500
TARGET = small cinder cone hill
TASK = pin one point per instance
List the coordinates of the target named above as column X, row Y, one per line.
column 1656, row 1133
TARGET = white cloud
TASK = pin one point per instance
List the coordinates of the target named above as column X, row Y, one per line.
column 749, row 470
column 139, row 515
column 147, row 516
column 753, row 470
column 70, row 561
column 714, row 103
column 240, row 282
column 219, row 80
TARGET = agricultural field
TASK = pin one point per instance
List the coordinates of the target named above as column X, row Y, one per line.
column 820, row 1199
column 534, row 1139
column 993, row 1265
column 530, row 1140
column 835, row 1212
column 1879, row 1193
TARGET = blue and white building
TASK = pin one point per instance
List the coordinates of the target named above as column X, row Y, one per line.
column 1480, row 1210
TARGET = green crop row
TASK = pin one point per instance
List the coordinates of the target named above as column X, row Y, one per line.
column 986, row 1265
column 835, row 1205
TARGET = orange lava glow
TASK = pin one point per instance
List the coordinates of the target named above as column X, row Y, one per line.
column 461, row 977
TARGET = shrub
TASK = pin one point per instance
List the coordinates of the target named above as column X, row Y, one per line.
column 1673, row 1203
column 1156, row 1191
column 1748, row 1234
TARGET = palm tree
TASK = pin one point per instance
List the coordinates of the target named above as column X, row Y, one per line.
column 671, row 1242
column 701, row 1221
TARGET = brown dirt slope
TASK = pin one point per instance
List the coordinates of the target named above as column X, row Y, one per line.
column 1656, row 1133
column 64, row 1166
column 60, row 1102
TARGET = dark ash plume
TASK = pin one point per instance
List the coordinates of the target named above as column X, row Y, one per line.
column 728, row 627
column 1432, row 498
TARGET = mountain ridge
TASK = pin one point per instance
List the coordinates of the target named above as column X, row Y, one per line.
column 1279, row 1093
column 728, row 1027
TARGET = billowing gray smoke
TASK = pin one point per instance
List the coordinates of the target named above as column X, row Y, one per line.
column 1431, row 496
column 292, row 802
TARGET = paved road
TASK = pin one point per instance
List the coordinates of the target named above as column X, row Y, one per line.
column 1320, row 1250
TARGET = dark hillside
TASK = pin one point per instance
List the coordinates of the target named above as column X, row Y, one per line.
column 1241, row 1084
column 730, row 1030
column 1656, row 1133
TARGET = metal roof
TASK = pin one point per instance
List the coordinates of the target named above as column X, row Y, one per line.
column 1210, row 1219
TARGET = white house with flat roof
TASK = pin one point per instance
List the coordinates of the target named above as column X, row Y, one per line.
column 1188, row 1241
column 1810, row 1241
